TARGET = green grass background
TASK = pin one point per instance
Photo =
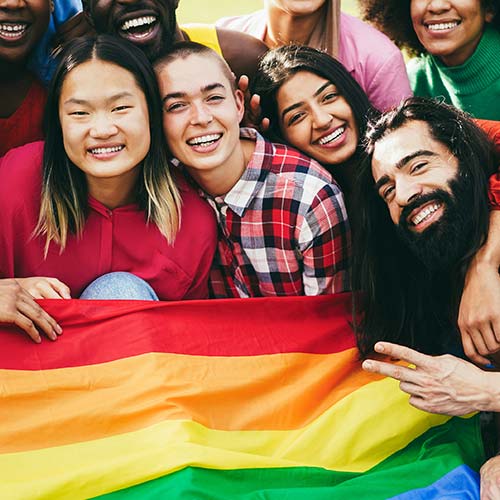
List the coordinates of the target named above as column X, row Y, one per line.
column 208, row 11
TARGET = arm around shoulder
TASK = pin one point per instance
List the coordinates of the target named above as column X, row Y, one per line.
column 241, row 51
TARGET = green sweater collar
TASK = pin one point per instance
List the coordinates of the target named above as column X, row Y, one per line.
column 480, row 70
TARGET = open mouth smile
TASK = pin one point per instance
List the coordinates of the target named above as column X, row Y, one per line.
column 140, row 28
column 439, row 27
column 204, row 141
column 424, row 216
column 13, row 31
column 332, row 136
column 106, row 151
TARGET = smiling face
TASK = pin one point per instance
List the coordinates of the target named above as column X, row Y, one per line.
column 149, row 24
column 201, row 113
column 22, row 25
column 105, row 123
column 408, row 166
column 316, row 119
column 449, row 29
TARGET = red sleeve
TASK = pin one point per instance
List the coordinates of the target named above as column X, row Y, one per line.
column 492, row 129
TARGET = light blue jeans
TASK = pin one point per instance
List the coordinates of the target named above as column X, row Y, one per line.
column 119, row 285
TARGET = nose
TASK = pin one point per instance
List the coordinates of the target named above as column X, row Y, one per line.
column 200, row 114
column 103, row 127
column 320, row 117
column 438, row 6
column 406, row 191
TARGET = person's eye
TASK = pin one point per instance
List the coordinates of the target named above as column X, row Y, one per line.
column 216, row 98
column 175, row 106
column 387, row 192
column 295, row 118
column 122, row 107
column 417, row 167
column 330, row 96
column 78, row 113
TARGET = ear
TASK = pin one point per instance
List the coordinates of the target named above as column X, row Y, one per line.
column 239, row 98
column 489, row 15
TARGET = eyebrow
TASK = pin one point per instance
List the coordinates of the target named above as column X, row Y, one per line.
column 298, row 104
column 204, row 90
column 401, row 163
column 74, row 100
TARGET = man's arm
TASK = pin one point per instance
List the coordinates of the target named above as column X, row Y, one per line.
column 241, row 51
column 479, row 315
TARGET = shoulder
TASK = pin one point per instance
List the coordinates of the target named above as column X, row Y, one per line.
column 365, row 40
column 21, row 174
column 421, row 71
column 290, row 165
column 195, row 210
column 241, row 51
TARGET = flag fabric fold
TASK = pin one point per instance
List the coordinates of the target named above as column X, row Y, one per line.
column 240, row 398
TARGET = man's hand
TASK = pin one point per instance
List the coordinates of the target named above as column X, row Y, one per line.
column 17, row 307
column 253, row 112
column 45, row 288
column 439, row 384
column 490, row 479
column 479, row 315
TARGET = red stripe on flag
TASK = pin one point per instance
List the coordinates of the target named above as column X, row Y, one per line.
column 99, row 331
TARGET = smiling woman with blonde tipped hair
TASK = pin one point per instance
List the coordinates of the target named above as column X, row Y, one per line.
column 99, row 197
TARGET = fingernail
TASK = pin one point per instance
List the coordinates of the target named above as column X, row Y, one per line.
column 367, row 364
column 38, row 340
column 379, row 348
column 58, row 329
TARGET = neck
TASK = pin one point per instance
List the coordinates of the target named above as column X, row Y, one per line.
column 284, row 28
column 220, row 180
column 15, row 82
column 116, row 191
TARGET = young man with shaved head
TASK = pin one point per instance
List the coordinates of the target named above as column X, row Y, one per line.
column 283, row 227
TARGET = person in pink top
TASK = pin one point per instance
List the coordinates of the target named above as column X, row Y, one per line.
column 369, row 56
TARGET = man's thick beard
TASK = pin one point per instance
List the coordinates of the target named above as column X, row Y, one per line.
column 443, row 244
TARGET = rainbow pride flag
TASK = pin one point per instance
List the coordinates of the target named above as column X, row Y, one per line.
column 223, row 399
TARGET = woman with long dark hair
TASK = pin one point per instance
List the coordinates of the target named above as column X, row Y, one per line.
column 315, row 105
column 98, row 197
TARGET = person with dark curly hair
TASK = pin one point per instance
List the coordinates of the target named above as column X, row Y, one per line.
column 456, row 43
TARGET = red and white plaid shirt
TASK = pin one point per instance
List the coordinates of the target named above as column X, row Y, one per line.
column 283, row 228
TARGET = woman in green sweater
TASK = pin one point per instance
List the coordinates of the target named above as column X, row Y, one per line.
column 456, row 42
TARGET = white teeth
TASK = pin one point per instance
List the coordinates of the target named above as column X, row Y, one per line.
column 12, row 30
column 442, row 26
column 138, row 21
column 101, row 151
column 329, row 138
column 204, row 140
column 423, row 214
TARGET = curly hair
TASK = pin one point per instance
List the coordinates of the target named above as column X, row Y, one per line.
column 392, row 17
